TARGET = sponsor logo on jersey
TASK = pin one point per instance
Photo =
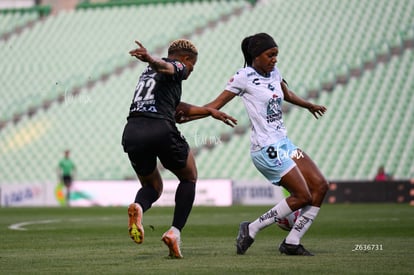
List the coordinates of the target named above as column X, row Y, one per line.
column 144, row 106
column 274, row 110
column 179, row 65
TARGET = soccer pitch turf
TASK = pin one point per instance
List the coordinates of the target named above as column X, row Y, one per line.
column 345, row 238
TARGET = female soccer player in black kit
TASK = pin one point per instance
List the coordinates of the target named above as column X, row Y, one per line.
column 151, row 132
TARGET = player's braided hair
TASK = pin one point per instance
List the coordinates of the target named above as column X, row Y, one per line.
column 180, row 45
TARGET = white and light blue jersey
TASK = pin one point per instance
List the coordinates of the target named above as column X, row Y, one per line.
column 262, row 97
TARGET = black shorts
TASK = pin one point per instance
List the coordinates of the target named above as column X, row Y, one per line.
column 67, row 180
column 145, row 139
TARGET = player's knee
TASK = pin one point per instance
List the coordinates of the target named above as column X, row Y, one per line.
column 189, row 175
column 192, row 178
column 322, row 186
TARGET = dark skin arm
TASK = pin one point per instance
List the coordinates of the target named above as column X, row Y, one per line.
column 291, row 97
column 182, row 114
column 227, row 96
column 184, row 111
column 156, row 63
column 161, row 66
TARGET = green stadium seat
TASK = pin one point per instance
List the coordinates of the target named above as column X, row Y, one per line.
column 364, row 122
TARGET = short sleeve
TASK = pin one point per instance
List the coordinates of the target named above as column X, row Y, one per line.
column 180, row 70
column 237, row 84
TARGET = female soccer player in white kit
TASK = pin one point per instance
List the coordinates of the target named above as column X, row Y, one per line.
column 262, row 89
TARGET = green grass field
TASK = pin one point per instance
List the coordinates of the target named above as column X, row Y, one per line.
column 95, row 241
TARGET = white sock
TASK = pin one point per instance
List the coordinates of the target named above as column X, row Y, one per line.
column 302, row 224
column 279, row 211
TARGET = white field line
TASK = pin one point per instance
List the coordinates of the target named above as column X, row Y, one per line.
column 21, row 226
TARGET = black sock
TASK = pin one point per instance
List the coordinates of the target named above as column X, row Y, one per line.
column 145, row 197
column 184, row 199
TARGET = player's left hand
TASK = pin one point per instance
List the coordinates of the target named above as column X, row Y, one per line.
column 317, row 110
column 227, row 119
column 140, row 53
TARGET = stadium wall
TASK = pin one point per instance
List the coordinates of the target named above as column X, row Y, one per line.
column 214, row 192
column 401, row 191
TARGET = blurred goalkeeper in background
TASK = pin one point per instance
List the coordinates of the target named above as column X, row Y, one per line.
column 151, row 133
column 66, row 172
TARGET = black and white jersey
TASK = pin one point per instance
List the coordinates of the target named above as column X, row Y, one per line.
column 157, row 95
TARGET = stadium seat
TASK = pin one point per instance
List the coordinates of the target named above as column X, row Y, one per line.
column 364, row 124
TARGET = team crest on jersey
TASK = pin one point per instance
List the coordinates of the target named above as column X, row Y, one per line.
column 271, row 87
column 274, row 109
column 179, row 65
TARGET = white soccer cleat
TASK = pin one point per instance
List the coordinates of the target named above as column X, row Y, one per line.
column 173, row 241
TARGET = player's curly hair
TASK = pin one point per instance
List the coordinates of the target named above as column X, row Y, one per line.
column 182, row 45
